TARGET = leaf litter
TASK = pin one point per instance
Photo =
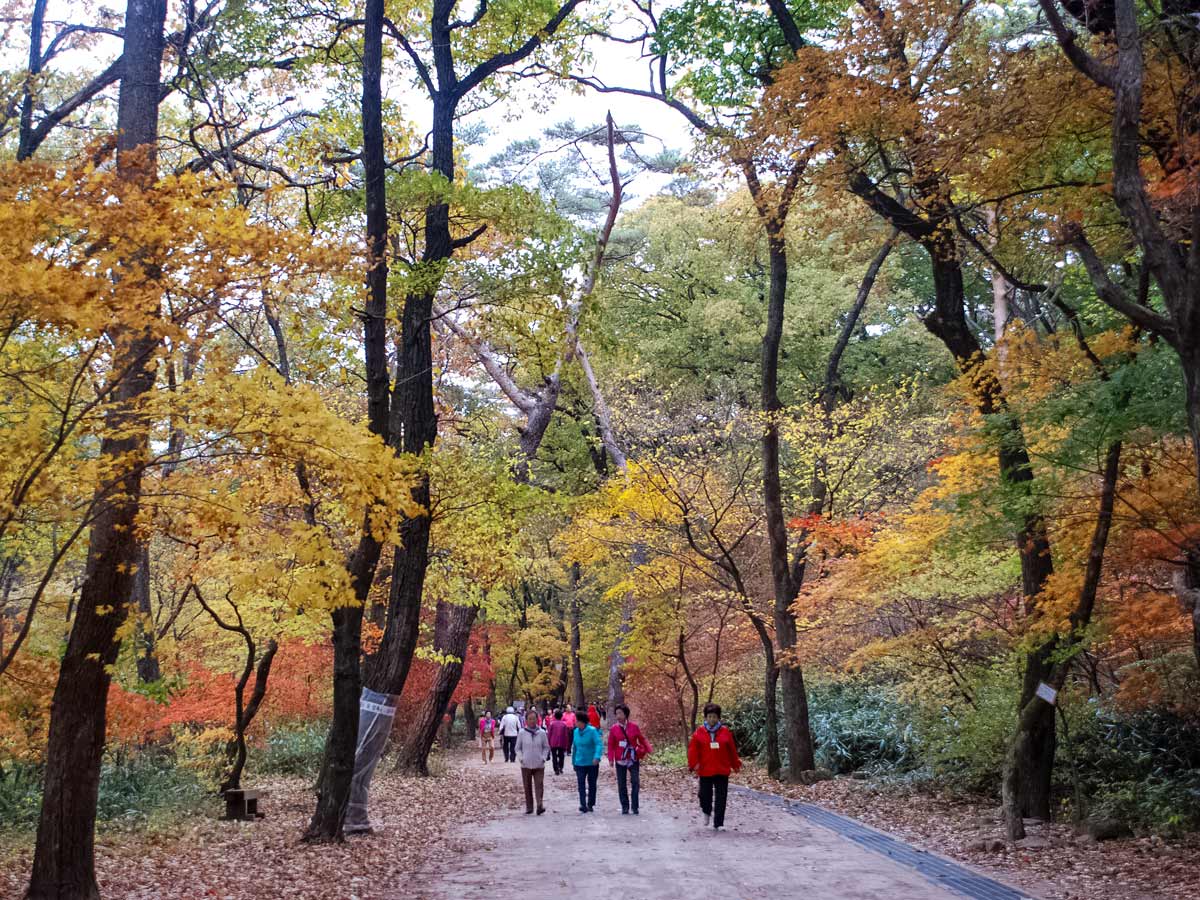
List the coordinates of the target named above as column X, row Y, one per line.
column 1068, row 867
column 415, row 823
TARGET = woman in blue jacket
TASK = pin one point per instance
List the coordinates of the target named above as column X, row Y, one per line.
column 585, row 757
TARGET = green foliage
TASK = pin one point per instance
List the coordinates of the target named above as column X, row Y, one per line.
column 1143, row 769
column 672, row 755
column 728, row 50
column 859, row 726
column 20, row 796
column 1169, row 806
column 290, row 751
column 964, row 745
column 134, row 788
column 855, row 726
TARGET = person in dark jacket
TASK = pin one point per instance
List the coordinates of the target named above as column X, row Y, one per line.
column 712, row 754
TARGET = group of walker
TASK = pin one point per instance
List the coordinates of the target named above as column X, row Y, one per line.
column 712, row 755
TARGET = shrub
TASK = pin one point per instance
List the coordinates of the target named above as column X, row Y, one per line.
column 1142, row 769
column 1164, row 805
column 134, row 787
column 855, row 725
column 965, row 746
column 20, row 794
column 201, row 751
column 294, row 750
column 674, row 755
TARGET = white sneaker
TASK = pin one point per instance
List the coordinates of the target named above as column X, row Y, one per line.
column 707, row 818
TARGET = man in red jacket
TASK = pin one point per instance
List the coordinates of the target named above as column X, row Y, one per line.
column 712, row 754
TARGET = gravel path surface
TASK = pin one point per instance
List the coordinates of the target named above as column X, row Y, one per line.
column 665, row 852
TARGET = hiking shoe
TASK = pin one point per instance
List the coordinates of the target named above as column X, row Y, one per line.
column 624, row 812
column 718, row 828
column 541, row 810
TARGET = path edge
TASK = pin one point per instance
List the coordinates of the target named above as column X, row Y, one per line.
column 798, row 808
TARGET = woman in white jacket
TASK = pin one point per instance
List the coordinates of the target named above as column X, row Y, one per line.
column 533, row 749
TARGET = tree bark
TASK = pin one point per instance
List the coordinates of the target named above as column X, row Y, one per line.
column 616, row 659
column 337, row 765
column 578, row 697
column 472, row 720
column 63, row 862
column 452, row 634
column 771, row 715
column 147, row 656
column 236, row 751
column 1028, row 770
column 795, row 699
column 1035, row 744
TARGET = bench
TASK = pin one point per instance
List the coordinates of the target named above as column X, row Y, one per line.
column 241, row 806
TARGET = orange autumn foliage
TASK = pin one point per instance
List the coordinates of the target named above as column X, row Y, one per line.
column 297, row 691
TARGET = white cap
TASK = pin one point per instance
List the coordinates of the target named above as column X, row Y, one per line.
column 510, row 709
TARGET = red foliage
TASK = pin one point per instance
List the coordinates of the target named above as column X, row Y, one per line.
column 297, row 690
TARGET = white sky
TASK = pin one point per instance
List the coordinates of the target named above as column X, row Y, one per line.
column 516, row 119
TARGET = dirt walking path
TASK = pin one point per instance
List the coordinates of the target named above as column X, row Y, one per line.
column 663, row 854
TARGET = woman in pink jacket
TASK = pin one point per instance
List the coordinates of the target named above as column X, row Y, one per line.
column 627, row 746
column 560, row 740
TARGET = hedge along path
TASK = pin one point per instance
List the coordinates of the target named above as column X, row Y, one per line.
column 664, row 853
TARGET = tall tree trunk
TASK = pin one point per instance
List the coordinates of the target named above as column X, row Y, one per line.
column 578, row 697
column 338, row 762
column 414, row 423
column 1034, row 746
column 771, row 715
column 452, row 634
column 413, row 428
column 147, row 654
column 1190, row 360
column 63, row 862
column 616, row 659
column 693, row 709
column 795, row 699
column 412, row 419
column 472, row 720
column 1024, row 779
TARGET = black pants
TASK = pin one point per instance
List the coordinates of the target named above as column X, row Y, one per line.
column 707, row 785
column 586, row 777
column 634, row 778
column 510, row 748
column 558, row 756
